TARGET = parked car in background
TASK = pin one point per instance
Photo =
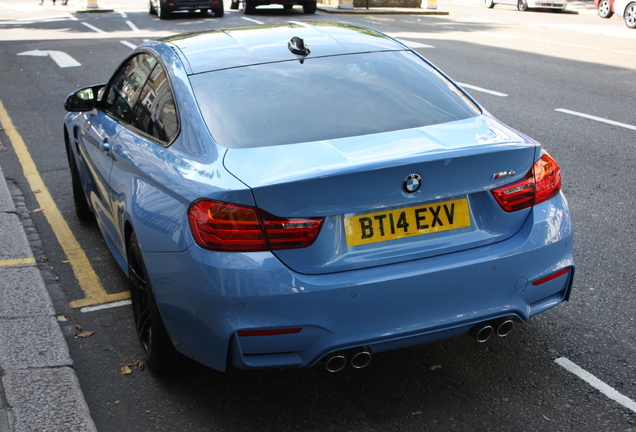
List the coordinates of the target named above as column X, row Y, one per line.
column 627, row 10
column 163, row 8
column 249, row 6
column 605, row 8
column 524, row 5
column 290, row 194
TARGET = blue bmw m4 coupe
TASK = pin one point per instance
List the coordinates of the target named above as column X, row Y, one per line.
column 294, row 194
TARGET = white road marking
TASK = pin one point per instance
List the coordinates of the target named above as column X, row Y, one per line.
column 596, row 383
column 62, row 59
column 53, row 17
column 128, row 44
column 598, row 119
column 483, row 90
column 252, row 20
column 582, row 46
column 133, row 27
column 92, row 27
column 105, row 306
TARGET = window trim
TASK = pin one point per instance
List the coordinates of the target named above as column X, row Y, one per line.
column 130, row 126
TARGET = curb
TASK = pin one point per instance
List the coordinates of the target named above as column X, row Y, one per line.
column 39, row 388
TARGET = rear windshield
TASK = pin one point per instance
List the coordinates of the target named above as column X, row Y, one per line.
column 326, row 98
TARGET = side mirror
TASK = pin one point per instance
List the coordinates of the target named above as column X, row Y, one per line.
column 83, row 99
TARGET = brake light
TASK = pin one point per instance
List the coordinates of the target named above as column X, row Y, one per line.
column 229, row 227
column 541, row 183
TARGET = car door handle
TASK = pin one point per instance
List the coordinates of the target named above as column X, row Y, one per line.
column 105, row 145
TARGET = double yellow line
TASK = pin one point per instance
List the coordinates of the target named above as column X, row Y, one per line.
column 86, row 276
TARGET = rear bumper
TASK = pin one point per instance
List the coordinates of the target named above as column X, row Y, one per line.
column 206, row 297
column 172, row 6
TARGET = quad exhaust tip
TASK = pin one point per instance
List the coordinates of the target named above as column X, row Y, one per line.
column 484, row 331
column 356, row 358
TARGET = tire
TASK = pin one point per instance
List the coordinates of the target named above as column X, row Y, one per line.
column 151, row 10
column 604, row 9
column 203, row 11
column 161, row 11
column 219, row 12
column 234, row 5
column 248, row 7
column 158, row 352
column 630, row 15
column 522, row 5
column 83, row 210
column 309, row 7
column 490, row 4
column 288, row 6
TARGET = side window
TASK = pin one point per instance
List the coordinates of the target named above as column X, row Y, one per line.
column 155, row 113
column 125, row 88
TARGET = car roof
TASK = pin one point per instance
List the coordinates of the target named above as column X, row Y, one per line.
column 243, row 46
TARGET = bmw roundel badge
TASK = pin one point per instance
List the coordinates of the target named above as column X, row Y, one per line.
column 412, row 183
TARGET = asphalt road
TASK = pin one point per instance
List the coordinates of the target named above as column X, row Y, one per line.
column 536, row 71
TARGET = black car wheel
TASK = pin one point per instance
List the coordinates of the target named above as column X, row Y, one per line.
column 234, row 5
column 151, row 9
column 248, row 7
column 158, row 352
column 522, row 5
column 490, row 4
column 219, row 12
column 82, row 208
column 161, row 11
column 309, row 7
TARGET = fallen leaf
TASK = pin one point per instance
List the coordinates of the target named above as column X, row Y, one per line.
column 141, row 365
column 126, row 370
column 61, row 318
column 78, row 327
column 37, row 210
column 85, row 334
column 116, row 402
column 65, row 262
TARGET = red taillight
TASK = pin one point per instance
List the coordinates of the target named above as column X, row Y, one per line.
column 229, row 227
column 541, row 183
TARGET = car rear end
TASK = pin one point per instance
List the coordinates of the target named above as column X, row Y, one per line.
column 385, row 209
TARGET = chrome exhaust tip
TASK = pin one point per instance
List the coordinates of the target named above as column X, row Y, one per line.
column 504, row 327
column 361, row 359
column 482, row 332
column 335, row 363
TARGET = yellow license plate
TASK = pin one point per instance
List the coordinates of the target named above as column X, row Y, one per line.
column 406, row 222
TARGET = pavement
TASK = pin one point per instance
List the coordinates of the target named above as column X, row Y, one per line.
column 39, row 389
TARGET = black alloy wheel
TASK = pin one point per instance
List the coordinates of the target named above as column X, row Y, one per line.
column 151, row 9
column 490, row 4
column 522, row 5
column 159, row 354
